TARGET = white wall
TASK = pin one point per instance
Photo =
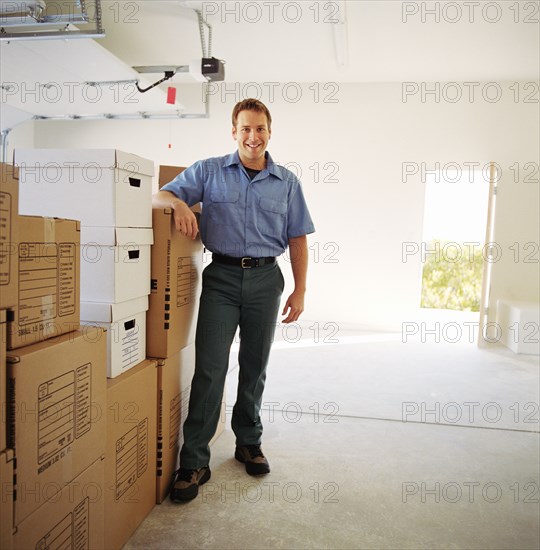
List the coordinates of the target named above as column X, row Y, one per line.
column 370, row 213
column 515, row 257
column 19, row 136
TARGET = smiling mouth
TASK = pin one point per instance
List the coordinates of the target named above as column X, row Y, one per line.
column 252, row 146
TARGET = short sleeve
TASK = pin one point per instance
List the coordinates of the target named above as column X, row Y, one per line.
column 189, row 184
column 299, row 220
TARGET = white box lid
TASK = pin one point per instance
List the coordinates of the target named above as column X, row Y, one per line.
column 109, row 313
column 78, row 158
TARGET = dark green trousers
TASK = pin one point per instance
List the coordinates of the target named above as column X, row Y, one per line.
column 231, row 297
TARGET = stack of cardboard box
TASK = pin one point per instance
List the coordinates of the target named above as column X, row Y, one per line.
column 91, row 428
column 52, row 386
column 110, row 192
column 130, row 469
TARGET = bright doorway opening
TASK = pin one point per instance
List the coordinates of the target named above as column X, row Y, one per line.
column 455, row 218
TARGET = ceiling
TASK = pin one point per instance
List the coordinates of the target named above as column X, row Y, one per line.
column 381, row 47
column 265, row 42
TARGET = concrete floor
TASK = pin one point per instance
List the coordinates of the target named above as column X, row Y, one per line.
column 348, row 472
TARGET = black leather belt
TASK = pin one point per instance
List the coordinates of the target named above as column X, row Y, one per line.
column 245, row 263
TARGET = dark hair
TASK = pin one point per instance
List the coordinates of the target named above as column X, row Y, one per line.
column 251, row 104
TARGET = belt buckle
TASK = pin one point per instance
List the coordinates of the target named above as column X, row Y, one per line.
column 242, row 264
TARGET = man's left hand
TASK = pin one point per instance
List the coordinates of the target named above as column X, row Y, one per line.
column 295, row 307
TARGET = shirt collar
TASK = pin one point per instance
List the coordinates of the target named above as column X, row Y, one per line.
column 271, row 166
column 232, row 159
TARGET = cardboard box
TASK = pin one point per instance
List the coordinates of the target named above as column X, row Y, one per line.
column 99, row 187
column 48, row 271
column 125, row 323
column 7, row 492
column 174, row 385
column 9, row 200
column 130, row 463
column 168, row 173
column 56, row 415
column 177, row 264
column 3, row 381
column 73, row 518
column 115, row 263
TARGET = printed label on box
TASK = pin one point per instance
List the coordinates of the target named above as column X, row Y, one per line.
column 186, row 283
column 81, row 526
column 130, row 344
column 180, row 416
column 131, row 457
column 5, row 223
column 142, row 447
column 63, row 413
column 37, row 264
column 72, row 531
column 67, row 279
column 175, row 414
column 83, row 400
column 47, row 280
column 186, row 279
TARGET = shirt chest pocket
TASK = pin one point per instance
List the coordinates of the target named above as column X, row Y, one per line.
column 271, row 216
column 272, row 205
column 224, row 196
column 223, row 204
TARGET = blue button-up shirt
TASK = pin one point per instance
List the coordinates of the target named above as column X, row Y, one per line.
column 242, row 217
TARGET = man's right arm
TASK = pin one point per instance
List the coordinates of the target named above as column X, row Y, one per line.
column 184, row 219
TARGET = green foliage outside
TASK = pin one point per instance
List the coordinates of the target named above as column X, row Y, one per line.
column 452, row 276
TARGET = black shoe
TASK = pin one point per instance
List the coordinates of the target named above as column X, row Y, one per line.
column 253, row 458
column 186, row 483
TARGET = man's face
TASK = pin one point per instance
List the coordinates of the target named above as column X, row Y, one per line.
column 252, row 135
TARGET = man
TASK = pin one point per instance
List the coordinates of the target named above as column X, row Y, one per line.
column 252, row 210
